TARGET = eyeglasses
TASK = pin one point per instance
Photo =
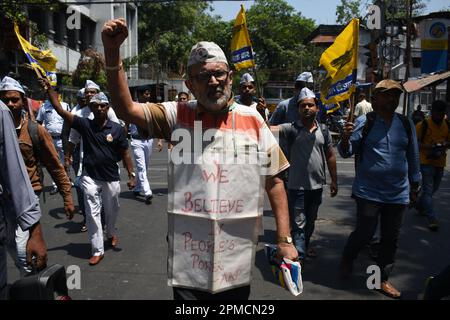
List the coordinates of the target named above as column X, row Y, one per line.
column 220, row 75
column 7, row 100
column 99, row 105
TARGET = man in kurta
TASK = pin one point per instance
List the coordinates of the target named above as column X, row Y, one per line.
column 213, row 224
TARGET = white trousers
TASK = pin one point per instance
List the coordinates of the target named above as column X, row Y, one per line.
column 20, row 247
column 142, row 151
column 96, row 194
column 59, row 149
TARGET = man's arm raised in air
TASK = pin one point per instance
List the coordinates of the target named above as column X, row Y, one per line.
column 53, row 98
column 114, row 34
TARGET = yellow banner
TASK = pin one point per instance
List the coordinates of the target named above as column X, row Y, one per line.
column 340, row 60
column 241, row 47
column 42, row 60
column 428, row 44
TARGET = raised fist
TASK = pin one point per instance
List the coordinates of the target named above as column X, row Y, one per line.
column 114, row 33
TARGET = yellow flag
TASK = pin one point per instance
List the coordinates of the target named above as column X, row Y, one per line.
column 340, row 60
column 42, row 60
column 241, row 47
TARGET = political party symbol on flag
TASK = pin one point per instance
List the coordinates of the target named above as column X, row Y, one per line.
column 340, row 60
column 43, row 61
column 286, row 272
column 241, row 47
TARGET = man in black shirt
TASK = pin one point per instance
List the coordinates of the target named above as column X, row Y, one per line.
column 105, row 143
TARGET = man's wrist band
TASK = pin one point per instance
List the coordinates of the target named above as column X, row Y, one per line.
column 118, row 67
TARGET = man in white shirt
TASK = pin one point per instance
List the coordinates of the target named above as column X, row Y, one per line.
column 363, row 106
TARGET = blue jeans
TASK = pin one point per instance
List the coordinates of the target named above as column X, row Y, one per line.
column 303, row 208
column 431, row 179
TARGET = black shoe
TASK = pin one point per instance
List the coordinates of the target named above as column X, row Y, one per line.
column 136, row 193
column 148, row 200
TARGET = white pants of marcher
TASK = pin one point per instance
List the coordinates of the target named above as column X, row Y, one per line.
column 96, row 194
column 142, row 151
column 59, row 149
column 21, row 249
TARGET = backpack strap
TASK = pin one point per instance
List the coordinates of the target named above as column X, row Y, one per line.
column 290, row 132
column 407, row 126
column 33, row 131
column 370, row 120
column 326, row 133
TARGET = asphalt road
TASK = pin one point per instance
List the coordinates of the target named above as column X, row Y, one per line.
column 137, row 268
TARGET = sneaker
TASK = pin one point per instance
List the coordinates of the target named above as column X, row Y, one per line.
column 83, row 228
column 148, row 199
column 54, row 190
column 433, row 224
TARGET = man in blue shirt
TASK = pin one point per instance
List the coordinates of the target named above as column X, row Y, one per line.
column 104, row 144
column 387, row 178
column 287, row 110
column 53, row 123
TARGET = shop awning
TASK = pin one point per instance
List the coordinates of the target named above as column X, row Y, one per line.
column 417, row 84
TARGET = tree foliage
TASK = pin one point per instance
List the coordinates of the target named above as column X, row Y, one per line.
column 168, row 30
column 90, row 66
column 396, row 9
column 277, row 33
column 347, row 10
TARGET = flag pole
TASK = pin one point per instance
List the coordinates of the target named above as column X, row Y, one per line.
column 351, row 101
column 258, row 86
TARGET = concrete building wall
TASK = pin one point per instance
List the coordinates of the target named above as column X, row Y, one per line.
column 93, row 18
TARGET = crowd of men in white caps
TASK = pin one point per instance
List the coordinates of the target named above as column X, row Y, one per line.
column 393, row 158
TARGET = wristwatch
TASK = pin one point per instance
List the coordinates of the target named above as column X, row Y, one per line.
column 133, row 174
column 287, row 239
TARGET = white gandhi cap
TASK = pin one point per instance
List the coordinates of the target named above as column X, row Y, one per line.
column 204, row 51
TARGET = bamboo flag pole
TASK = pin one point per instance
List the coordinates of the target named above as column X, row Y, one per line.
column 351, row 101
column 258, row 86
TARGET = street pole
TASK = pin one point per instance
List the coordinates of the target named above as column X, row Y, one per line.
column 407, row 52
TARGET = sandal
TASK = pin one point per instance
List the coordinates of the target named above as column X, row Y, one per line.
column 389, row 290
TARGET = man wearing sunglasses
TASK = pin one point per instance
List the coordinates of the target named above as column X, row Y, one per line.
column 211, row 245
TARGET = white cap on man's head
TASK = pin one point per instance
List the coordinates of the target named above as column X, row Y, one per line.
column 10, row 84
column 91, row 85
column 205, row 51
column 305, row 93
column 99, row 98
column 246, row 77
column 305, row 77
column 80, row 93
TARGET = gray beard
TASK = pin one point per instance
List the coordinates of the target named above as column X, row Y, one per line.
column 216, row 105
